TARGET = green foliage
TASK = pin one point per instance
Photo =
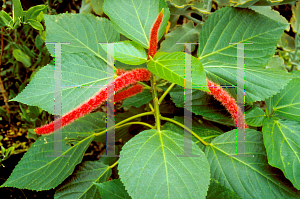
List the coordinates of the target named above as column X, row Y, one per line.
column 154, row 163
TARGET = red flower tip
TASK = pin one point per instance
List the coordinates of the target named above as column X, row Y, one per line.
column 122, row 81
column 120, row 71
column 153, row 34
column 227, row 101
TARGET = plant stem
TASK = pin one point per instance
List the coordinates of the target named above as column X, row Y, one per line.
column 145, row 85
column 151, row 107
column 296, row 48
column 165, row 93
column 141, row 123
column 156, row 103
column 114, row 164
column 189, row 130
column 193, row 19
column 124, row 121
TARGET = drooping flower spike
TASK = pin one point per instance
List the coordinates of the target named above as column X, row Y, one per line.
column 122, row 81
column 227, row 101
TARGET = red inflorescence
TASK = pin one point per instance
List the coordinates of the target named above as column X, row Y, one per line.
column 227, row 101
column 124, row 80
column 153, row 35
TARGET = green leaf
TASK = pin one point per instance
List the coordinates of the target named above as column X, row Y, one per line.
column 282, row 141
column 277, row 63
column 202, row 128
column 51, row 169
column 150, row 167
column 171, row 66
column 249, row 177
column 97, row 6
column 80, row 183
column 83, row 31
column 216, row 190
column 5, row 19
column 113, row 189
column 260, row 83
column 267, row 11
column 128, row 52
column 20, row 56
column 295, row 20
column 35, row 24
column 134, row 18
column 185, row 33
column 272, row 3
column 77, row 70
column 255, row 116
column 287, row 102
column 139, row 99
column 228, row 26
column 33, row 12
column 287, row 43
column 17, row 10
column 203, row 104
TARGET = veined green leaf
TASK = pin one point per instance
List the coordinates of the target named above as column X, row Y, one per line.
column 5, row 19
column 135, row 18
column 259, row 83
column 255, row 116
column 216, row 190
column 139, row 99
column 287, row 102
column 249, row 177
column 229, row 26
column 83, row 31
column 80, row 184
column 35, row 24
column 186, row 33
column 282, row 141
column 51, row 169
column 22, row 57
column 113, row 189
column 82, row 77
column 33, row 12
column 171, row 66
column 150, row 166
column 128, row 52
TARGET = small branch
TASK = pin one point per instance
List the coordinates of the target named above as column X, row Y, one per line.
column 193, row 19
column 114, row 164
column 189, row 130
column 1, row 55
column 165, row 93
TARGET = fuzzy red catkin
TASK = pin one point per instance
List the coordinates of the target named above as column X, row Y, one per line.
column 133, row 90
column 227, row 101
column 124, row 80
column 153, row 34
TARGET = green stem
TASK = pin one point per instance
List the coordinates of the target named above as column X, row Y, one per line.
column 145, row 85
column 141, row 123
column 165, row 93
column 114, row 164
column 156, row 103
column 189, row 130
column 296, row 48
column 193, row 19
column 124, row 121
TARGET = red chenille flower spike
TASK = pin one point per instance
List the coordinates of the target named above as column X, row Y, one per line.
column 133, row 90
column 227, row 101
column 153, row 34
column 122, row 81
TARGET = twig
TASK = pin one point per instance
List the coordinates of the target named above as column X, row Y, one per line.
column 1, row 55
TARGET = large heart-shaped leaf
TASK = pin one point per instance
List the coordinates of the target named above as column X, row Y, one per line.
column 282, row 141
column 83, row 31
column 52, row 168
column 171, row 66
column 151, row 167
column 77, row 70
column 80, row 183
column 249, row 177
column 135, row 18
column 287, row 102
column 229, row 26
